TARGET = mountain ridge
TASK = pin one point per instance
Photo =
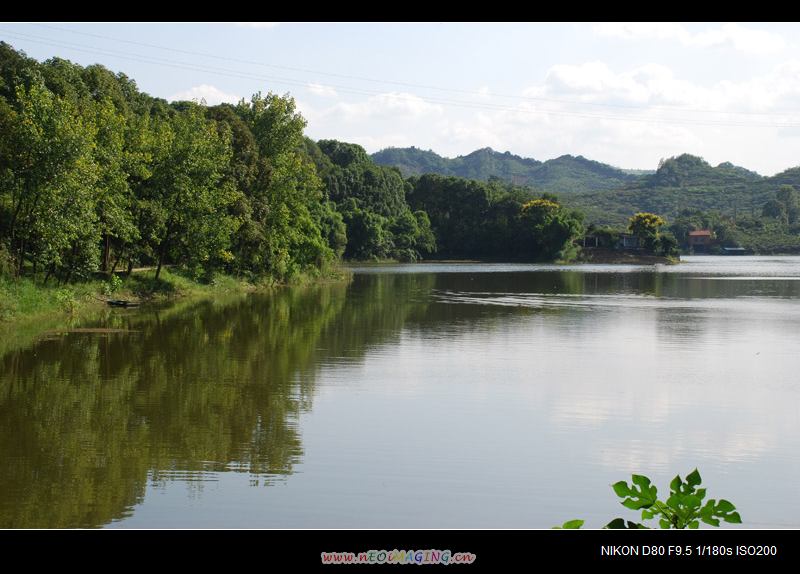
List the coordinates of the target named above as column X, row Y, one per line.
column 571, row 174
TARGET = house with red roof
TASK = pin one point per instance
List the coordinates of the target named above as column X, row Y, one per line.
column 700, row 240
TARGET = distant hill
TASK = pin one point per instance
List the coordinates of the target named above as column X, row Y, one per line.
column 576, row 174
column 691, row 171
column 605, row 193
column 686, row 182
column 789, row 177
column 563, row 175
column 413, row 161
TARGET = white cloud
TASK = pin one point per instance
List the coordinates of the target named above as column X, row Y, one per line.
column 388, row 105
column 211, row 94
column 743, row 39
column 590, row 79
column 657, row 87
column 322, row 90
column 652, row 84
column 643, row 30
column 630, row 118
column 258, row 25
column 747, row 40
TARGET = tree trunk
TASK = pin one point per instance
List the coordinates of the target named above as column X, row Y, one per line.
column 21, row 257
column 12, row 225
column 106, row 249
column 116, row 262
column 162, row 250
column 73, row 254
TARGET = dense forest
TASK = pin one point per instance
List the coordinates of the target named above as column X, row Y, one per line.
column 494, row 220
column 97, row 176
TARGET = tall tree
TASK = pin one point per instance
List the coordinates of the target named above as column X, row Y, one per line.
column 282, row 233
column 187, row 197
column 49, row 177
column 550, row 229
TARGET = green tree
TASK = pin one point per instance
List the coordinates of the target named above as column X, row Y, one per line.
column 775, row 209
column 787, row 196
column 646, row 226
column 549, row 229
column 372, row 201
column 458, row 210
column 187, row 196
column 48, row 176
column 282, row 231
column 368, row 236
column 114, row 196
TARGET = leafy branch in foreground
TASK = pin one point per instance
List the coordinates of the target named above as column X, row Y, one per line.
column 683, row 508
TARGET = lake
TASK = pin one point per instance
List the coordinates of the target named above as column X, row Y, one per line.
column 415, row 396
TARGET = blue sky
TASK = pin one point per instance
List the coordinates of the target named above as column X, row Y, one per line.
column 625, row 94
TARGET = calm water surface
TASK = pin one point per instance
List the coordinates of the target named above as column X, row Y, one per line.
column 422, row 396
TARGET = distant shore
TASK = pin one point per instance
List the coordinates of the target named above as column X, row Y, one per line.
column 617, row 257
column 594, row 255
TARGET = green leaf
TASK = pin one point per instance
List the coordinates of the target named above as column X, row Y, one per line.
column 621, row 524
column 616, row 524
column 674, row 501
column 725, row 506
column 675, row 484
column 572, row 524
column 691, row 501
column 733, row 518
column 693, row 479
column 632, row 504
column 643, row 497
column 684, row 507
column 622, row 489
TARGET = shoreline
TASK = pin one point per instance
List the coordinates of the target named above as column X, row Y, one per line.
column 24, row 302
column 614, row 257
column 607, row 258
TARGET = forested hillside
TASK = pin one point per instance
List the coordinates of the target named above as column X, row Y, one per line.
column 683, row 183
column 563, row 175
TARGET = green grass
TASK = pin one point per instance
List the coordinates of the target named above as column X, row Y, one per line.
column 22, row 298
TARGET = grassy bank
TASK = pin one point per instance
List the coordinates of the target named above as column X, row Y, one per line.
column 22, row 299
